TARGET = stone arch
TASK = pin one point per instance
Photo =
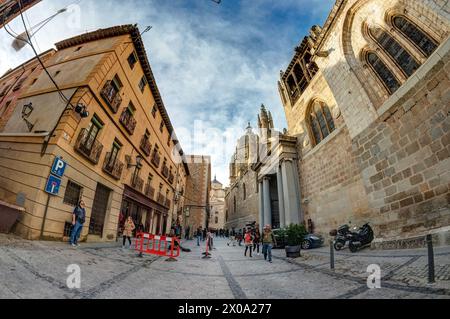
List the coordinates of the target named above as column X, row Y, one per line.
column 378, row 97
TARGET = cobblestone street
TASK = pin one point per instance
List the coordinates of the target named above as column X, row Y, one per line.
column 38, row 270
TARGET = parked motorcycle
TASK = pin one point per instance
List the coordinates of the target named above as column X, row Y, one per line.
column 361, row 238
column 341, row 237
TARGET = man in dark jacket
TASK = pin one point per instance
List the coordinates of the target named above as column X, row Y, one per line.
column 78, row 220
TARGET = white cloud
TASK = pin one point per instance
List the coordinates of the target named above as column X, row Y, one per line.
column 212, row 63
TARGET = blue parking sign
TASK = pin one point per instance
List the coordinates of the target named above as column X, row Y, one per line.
column 59, row 167
column 53, row 185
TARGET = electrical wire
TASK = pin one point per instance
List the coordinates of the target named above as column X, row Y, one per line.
column 61, row 94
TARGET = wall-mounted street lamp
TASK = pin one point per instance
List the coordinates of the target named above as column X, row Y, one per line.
column 26, row 112
column 81, row 109
column 138, row 164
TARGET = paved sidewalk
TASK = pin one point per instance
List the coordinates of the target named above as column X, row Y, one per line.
column 408, row 267
column 38, row 270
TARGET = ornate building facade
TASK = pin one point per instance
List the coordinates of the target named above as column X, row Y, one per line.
column 217, row 205
column 368, row 99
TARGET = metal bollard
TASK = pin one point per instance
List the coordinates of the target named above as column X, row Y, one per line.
column 331, row 255
column 429, row 240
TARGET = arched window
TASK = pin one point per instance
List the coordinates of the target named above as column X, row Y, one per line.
column 417, row 36
column 402, row 57
column 234, row 204
column 321, row 121
column 383, row 73
column 245, row 192
column 217, row 220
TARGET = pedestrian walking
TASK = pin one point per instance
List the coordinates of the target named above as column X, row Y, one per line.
column 256, row 241
column 128, row 231
column 248, row 242
column 78, row 220
column 199, row 236
column 204, row 234
column 268, row 240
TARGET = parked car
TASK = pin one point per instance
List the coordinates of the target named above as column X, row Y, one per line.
column 312, row 241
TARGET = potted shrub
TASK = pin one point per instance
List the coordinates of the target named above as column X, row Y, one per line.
column 294, row 236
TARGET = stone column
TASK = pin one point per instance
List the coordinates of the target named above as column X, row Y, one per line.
column 281, row 197
column 291, row 204
column 261, row 207
column 267, row 206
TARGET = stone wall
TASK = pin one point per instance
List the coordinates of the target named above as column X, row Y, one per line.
column 404, row 158
column 331, row 185
column 246, row 209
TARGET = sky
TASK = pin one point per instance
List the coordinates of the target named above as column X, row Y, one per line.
column 215, row 64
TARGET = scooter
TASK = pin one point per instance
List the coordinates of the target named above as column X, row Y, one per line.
column 361, row 238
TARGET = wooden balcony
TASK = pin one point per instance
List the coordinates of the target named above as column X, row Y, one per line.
column 146, row 147
column 128, row 121
column 113, row 168
column 137, row 183
column 111, row 97
column 88, row 148
column 149, row 191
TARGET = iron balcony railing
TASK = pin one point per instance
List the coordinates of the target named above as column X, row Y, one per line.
column 171, row 178
column 113, row 167
column 88, row 146
column 165, row 171
column 137, row 183
column 146, row 147
column 156, row 159
column 111, row 96
column 128, row 121
column 149, row 191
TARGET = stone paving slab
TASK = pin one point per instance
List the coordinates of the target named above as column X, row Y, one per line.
column 38, row 270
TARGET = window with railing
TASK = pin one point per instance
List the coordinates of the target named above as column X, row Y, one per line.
column 111, row 93
column 146, row 147
column 132, row 60
column 127, row 119
column 87, row 143
column 112, row 165
column 155, row 157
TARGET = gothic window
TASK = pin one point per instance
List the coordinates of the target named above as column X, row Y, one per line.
column 245, row 192
column 402, row 57
column 383, row 73
column 417, row 36
column 321, row 121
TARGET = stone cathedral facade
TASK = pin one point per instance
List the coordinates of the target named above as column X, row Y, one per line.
column 367, row 101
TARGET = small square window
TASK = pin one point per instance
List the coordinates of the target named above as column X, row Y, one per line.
column 154, row 110
column 142, row 83
column 73, row 194
column 78, row 49
column 161, row 127
column 132, row 60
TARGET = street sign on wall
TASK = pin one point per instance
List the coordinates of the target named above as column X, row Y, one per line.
column 59, row 167
column 53, row 185
column 54, row 180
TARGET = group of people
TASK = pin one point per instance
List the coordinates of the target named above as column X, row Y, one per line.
column 253, row 239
